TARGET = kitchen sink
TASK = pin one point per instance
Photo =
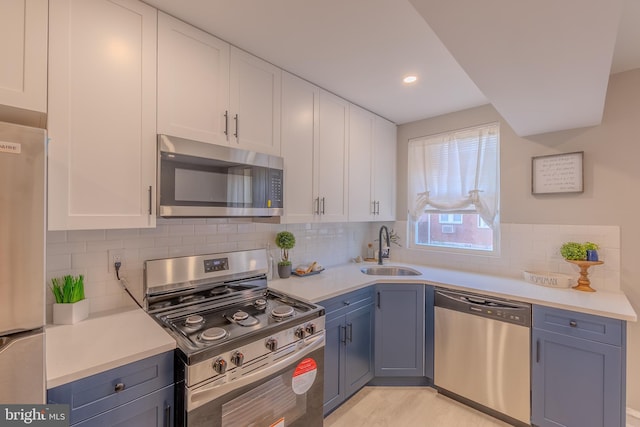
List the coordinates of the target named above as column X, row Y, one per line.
column 390, row 270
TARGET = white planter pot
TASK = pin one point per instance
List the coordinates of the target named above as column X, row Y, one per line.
column 68, row 314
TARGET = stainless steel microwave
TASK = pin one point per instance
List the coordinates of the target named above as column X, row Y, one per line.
column 197, row 179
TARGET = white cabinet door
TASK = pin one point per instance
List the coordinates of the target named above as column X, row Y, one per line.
column 333, row 158
column 384, row 169
column 102, row 114
column 193, row 82
column 300, row 107
column 23, row 49
column 362, row 205
column 255, row 103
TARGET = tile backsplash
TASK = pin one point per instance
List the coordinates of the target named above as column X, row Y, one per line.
column 87, row 252
column 523, row 247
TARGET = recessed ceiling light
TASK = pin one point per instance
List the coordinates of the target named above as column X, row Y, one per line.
column 410, row 79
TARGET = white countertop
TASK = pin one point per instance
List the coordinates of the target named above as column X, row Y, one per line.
column 338, row 280
column 101, row 343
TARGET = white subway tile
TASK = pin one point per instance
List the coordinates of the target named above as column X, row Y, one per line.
column 90, row 260
column 118, row 234
column 181, row 230
column 168, row 241
column 104, row 245
column 58, row 262
column 65, row 248
column 85, row 235
column 56, row 236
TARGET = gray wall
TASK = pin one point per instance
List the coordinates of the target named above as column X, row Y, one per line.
column 611, row 182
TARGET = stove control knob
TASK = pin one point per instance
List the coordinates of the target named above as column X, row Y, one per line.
column 311, row 329
column 237, row 358
column 220, row 366
column 272, row 344
column 299, row 333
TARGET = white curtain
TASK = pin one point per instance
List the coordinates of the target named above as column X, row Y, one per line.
column 455, row 172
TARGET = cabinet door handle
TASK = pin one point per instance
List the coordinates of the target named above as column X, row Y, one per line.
column 343, row 333
column 378, row 208
column 237, row 121
column 317, row 203
column 537, row 351
column 150, row 197
column 378, row 299
column 350, row 326
column 346, row 302
column 119, row 387
column 573, row 323
column 226, row 122
column 167, row 416
column 323, row 206
column 373, row 212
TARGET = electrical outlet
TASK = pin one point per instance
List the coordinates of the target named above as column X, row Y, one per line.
column 116, row 255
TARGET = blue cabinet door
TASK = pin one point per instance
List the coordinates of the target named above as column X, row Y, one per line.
column 400, row 330
column 334, row 362
column 575, row 382
column 359, row 348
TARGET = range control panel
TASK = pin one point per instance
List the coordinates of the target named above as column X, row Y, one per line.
column 216, row 264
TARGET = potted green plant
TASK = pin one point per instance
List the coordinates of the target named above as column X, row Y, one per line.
column 70, row 306
column 285, row 240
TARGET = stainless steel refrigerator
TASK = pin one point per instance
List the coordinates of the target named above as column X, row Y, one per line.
column 22, row 264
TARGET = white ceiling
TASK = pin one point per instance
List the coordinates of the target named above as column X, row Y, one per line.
column 544, row 65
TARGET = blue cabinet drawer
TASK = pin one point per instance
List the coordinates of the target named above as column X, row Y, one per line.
column 341, row 304
column 153, row 410
column 579, row 325
column 101, row 392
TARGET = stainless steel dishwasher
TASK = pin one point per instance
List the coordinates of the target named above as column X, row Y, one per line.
column 482, row 355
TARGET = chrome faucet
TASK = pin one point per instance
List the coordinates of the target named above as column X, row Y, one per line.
column 386, row 252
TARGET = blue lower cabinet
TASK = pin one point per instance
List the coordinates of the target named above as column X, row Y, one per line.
column 400, row 330
column 137, row 394
column 577, row 381
column 348, row 354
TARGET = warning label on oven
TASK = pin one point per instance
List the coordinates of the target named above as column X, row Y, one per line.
column 304, row 375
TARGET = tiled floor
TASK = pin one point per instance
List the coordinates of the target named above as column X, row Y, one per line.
column 406, row 407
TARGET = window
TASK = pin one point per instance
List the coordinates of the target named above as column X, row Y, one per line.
column 454, row 189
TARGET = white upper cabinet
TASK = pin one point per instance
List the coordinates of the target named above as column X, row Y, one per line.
column 333, row 158
column 384, row 175
column 372, row 167
column 23, row 74
column 254, row 121
column 193, row 82
column 300, row 111
column 362, row 204
column 212, row 92
column 314, row 147
column 102, row 114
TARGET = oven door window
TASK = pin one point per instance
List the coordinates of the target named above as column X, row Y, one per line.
column 290, row 397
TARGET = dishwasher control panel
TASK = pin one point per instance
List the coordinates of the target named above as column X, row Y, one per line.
column 490, row 307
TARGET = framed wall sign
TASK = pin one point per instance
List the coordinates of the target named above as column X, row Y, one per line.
column 557, row 173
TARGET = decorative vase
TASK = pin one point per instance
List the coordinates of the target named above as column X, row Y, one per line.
column 68, row 314
column 284, row 271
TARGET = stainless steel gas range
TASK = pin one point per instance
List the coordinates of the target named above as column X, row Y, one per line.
column 246, row 355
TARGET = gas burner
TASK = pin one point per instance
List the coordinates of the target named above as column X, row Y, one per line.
column 193, row 321
column 240, row 315
column 282, row 312
column 212, row 334
column 260, row 303
column 219, row 290
column 242, row 318
column 190, row 298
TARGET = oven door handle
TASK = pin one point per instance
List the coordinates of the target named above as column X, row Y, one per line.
column 209, row 392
